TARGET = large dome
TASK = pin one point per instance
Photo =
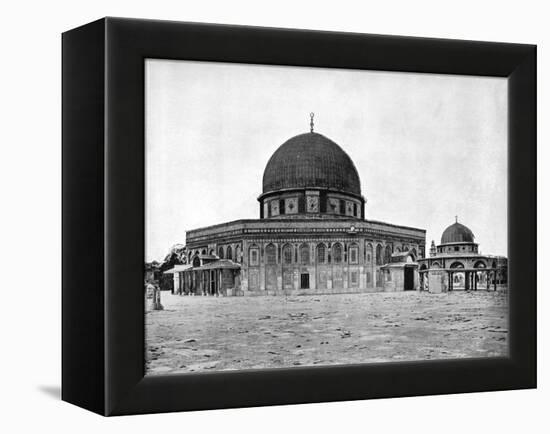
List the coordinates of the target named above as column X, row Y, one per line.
column 311, row 160
column 457, row 233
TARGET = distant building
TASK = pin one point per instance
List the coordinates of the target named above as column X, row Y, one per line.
column 456, row 264
column 311, row 236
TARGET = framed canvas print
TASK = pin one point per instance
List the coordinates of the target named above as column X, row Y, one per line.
column 258, row 216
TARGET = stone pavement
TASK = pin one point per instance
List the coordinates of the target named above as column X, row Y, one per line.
column 196, row 334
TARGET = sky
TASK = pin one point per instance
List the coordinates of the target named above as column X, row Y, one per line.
column 427, row 147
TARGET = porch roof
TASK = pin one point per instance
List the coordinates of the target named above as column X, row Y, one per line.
column 219, row 264
column 178, row 268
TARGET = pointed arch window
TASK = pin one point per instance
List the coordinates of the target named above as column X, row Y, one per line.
column 387, row 255
column 304, row 254
column 368, row 253
column 287, row 254
column 254, row 255
column 379, row 254
column 354, row 254
column 321, row 254
column 337, row 253
column 271, row 254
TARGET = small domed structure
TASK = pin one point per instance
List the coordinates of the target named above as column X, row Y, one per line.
column 457, row 233
column 458, row 257
column 457, row 239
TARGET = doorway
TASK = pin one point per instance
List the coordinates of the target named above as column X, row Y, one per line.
column 409, row 279
column 304, row 281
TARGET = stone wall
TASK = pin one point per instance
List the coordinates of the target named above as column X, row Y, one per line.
column 270, row 270
column 317, row 255
column 437, row 281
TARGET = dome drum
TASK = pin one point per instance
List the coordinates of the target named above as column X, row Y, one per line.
column 299, row 203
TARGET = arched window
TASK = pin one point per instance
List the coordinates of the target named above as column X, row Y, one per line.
column 287, row 254
column 229, row 253
column 196, row 262
column 353, row 253
column 321, row 254
column 379, row 254
column 203, row 252
column 368, row 253
column 457, row 265
column 270, row 254
column 337, row 253
column 387, row 254
column 238, row 254
column 211, row 252
column 304, row 254
column 254, row 255
column 220, row 252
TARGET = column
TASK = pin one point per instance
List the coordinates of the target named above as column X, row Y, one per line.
column 212, row 287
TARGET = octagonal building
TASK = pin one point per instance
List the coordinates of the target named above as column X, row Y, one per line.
column 311, row 235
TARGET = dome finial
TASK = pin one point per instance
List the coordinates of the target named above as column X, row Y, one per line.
column 311, row 115
column 456, row 219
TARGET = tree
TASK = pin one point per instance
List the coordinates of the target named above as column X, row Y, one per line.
column 176, row 256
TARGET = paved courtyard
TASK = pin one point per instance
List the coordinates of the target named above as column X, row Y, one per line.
column 194, row 334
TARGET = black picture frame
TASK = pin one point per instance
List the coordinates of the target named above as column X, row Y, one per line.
column 103, row 215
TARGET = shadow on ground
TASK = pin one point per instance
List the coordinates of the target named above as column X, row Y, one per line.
column 52, row 391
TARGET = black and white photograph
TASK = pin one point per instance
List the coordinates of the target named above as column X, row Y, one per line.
column 299, row 217
column 275, row 217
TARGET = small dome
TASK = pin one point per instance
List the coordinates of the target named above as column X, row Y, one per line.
column 311, row 160
column 457, row 233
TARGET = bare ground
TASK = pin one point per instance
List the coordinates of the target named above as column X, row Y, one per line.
column 226, row 333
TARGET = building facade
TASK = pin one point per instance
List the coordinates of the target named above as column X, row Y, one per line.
column 311, row 235
column 457, row 265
